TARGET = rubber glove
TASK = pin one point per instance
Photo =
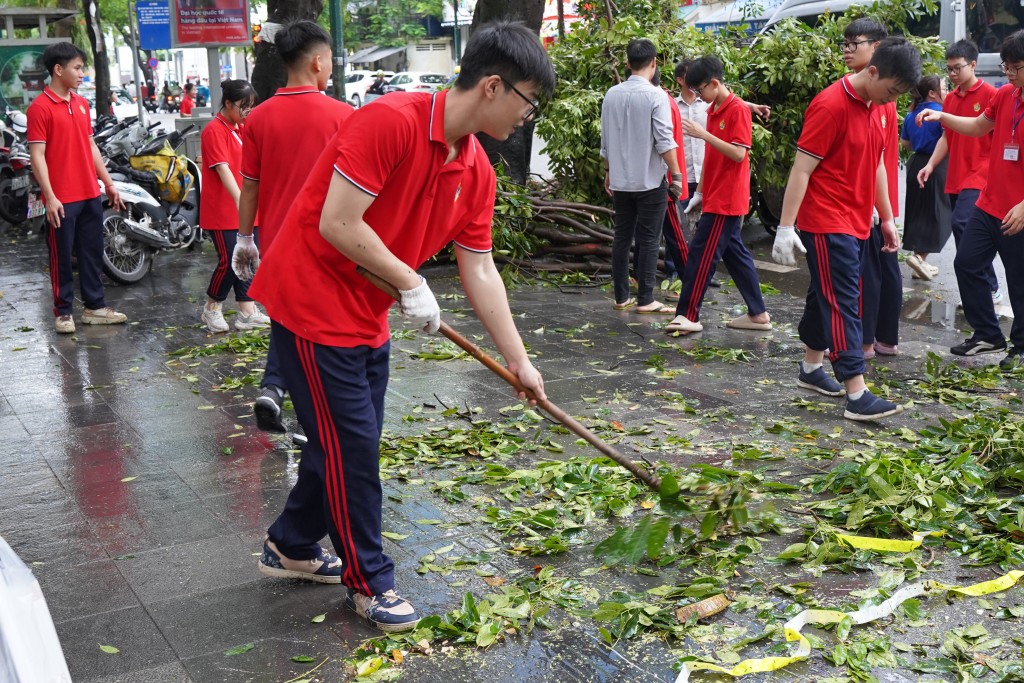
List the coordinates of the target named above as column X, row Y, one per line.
column 787, row 244
column 419, row 307
column 246, row 257
column 675, row 190
column 696, row 200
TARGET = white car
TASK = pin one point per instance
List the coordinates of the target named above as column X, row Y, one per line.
column 416, row 81
column 123, row 104
column 357, row 82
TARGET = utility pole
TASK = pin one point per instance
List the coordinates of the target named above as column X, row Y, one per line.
column 455, row 33
column 338, row 47
column 135, row 63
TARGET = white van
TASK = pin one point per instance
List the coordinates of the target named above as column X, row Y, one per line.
column 986, row 23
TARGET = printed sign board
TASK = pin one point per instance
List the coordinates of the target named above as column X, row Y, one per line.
column 22, row 76
column 154, row 24
column 211, row 23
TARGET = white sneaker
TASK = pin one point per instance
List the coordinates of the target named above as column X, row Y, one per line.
column 214, row 319
column 997, row 296
column 919, row 267
column 249, row 322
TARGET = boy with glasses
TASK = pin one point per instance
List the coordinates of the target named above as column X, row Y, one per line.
column 837, row 179
column 997, row 222
column 881, row 279
column 967, row 169
column 726, row 175
column 400, row 181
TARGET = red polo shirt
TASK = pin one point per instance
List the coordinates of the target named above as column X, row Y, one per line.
column 279, row 154
column 64, row 126
column 840, row 130
column 221, row 144
column 889, row 119
column 394, row 150
column 727, row 183
column 1005, row 186
column 187, row 105
column 677, row 135
column 968, row 157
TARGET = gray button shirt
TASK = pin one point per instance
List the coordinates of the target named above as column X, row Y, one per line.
column 636, row 129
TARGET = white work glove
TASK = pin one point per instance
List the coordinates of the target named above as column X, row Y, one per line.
column 787, row 244
column 696, row 200
column 419, row 307
column 245, row 258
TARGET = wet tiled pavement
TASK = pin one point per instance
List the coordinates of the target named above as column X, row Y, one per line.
column 139, row 494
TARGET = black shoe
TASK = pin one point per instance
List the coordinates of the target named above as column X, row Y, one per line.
column 819, row 381
column 714, row 283
column 299, row 437
column 267, row 409
column 869, row 407
column 1014, row 359
column 976, row 347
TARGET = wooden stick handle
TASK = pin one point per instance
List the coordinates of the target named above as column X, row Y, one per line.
column 550, row 408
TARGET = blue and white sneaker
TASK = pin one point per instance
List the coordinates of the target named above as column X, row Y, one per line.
column 325, row 568
column 870, row 407
column 387, row 611
column 819, row 381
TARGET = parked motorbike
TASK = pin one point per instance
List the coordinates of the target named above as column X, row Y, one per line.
column 20, row 198
column 161, row 192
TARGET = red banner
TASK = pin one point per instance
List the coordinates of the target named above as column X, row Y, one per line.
column 212, row 22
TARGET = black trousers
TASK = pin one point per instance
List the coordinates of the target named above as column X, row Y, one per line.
column 81, row 235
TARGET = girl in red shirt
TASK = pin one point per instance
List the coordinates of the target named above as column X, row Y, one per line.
column 218, row 211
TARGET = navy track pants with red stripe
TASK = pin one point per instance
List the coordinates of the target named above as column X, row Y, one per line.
column 881, row 291
column 224, row 278
column 718, row 237
column 831, row 317
column 676, row 248
column 338, row 395
column 80, row 233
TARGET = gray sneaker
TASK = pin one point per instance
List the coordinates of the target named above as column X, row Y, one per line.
column 387, row 611
column 214, row 319
column 251, row 322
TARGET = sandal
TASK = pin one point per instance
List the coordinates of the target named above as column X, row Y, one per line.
column 628, row 303
column 661, row 309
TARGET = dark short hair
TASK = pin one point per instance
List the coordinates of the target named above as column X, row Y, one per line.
column 681, row 68
column 869, row 28
column 703, row 70
column 920, row 92
column 1013, row 47
column 963, row 48
column 238, row 91
column 899, row 60
column 656, row 77
column 507, row 49
column 60, row 53
column 299, row 39
column 640, row 52
column 189, row 87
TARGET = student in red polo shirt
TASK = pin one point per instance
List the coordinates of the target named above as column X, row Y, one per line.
column 997, row 224
column 277, row 155
column 881, row 279
column 967, row 169
column 66, row 164
column 724, row 189
column 404, row 177
column 221, row 144
column 837, row 178
column 187, row 103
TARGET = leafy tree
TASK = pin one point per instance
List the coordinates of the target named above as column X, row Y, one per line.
column 783, row 68
column 100, row 57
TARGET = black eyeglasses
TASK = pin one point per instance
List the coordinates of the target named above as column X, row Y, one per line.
column 852, row 45
column 699, row 92
column 1010, row 70
column 955, row 70
column 533, row 103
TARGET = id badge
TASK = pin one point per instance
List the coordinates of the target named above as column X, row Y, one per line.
column 1011, row 152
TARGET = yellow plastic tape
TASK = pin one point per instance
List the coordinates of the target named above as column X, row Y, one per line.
column 822, row 617
column 885, row 545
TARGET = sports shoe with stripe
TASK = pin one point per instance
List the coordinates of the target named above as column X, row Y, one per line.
column 325, row 568
column 387, row 611
column 818, row 380
column 976, row 347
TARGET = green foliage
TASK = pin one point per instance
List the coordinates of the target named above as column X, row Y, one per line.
column 387, row 23
column 784, row 68
column 512, row 213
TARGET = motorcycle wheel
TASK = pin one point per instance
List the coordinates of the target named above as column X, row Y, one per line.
column 13, row 205
column 124, row 259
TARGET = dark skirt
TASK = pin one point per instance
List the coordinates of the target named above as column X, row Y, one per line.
column 927, row 214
